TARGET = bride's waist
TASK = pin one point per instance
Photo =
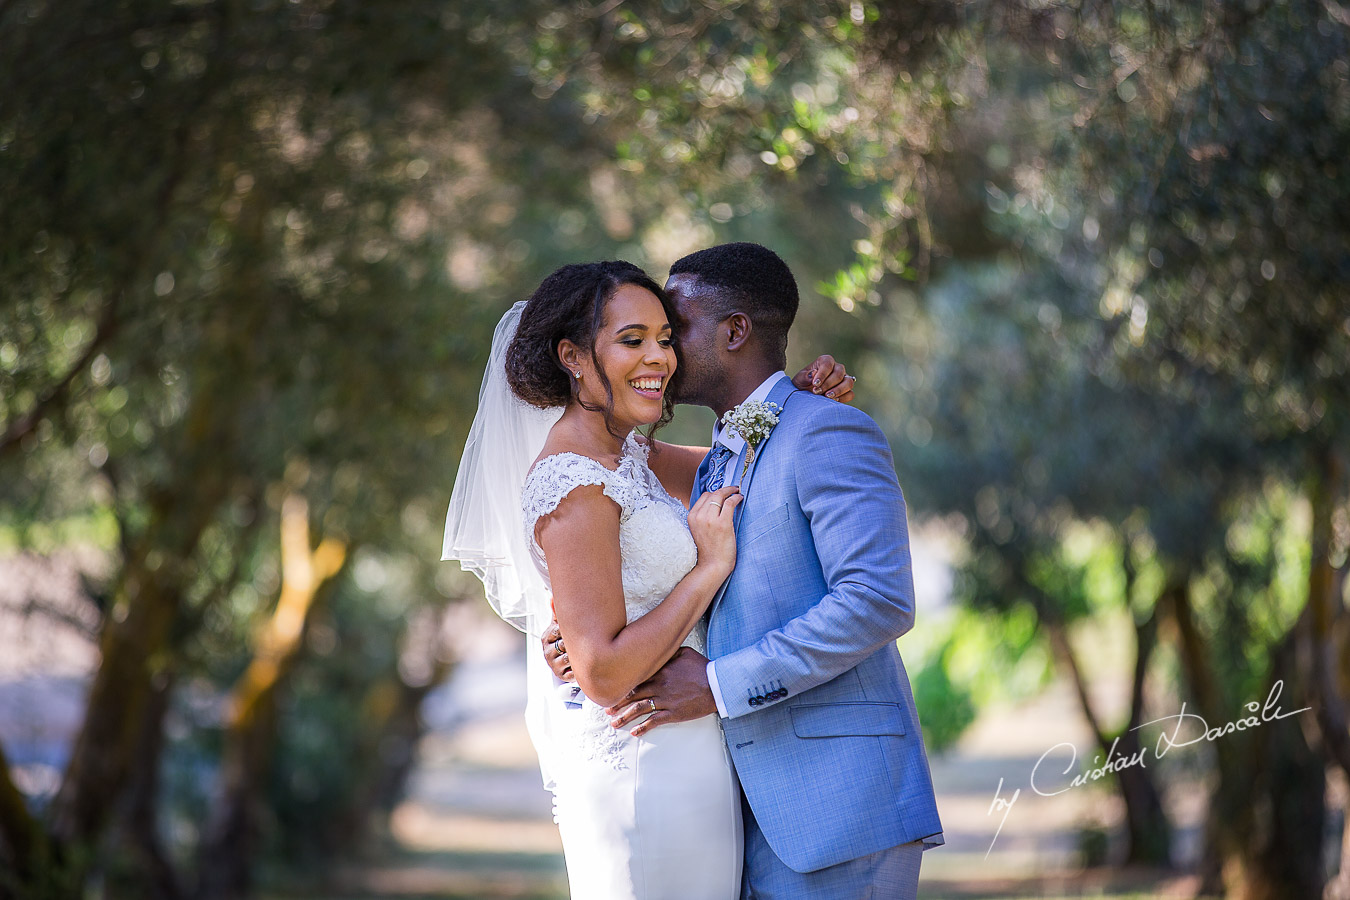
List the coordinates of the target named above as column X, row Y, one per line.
column 580, row 712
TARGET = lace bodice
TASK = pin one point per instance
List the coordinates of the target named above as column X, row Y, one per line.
column 655, row 545
column 654, row 541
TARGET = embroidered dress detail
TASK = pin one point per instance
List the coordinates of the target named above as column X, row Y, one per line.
column 655, row 546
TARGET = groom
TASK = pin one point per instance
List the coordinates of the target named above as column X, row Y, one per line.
column 815, row 703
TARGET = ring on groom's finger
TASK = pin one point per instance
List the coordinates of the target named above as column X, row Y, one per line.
column 711, row 503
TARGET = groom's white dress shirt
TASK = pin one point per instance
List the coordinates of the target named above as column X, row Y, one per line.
column 729, row 438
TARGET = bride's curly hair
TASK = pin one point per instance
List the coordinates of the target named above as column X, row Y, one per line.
column 570, row 304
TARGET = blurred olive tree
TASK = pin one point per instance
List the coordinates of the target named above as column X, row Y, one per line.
column 253, row 255
column 1088, row 258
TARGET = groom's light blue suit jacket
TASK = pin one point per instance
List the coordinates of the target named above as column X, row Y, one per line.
column 821, row 719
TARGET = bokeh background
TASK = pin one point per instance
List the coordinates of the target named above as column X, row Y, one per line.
column 1088, row 259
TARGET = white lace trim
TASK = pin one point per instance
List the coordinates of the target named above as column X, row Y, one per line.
column 556, row 476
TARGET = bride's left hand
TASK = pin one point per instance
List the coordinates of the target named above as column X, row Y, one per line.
column 825, row 376
column 555, row 653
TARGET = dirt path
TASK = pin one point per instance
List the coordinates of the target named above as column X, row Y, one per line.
column 477, row 822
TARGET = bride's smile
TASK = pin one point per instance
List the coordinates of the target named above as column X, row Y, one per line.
column 648, row 387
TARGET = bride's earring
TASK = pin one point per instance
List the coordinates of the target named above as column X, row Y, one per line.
column 578, row 374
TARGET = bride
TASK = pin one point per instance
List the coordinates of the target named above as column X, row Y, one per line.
column 558, row 495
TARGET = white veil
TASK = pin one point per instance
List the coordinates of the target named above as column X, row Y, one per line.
column 483, row 528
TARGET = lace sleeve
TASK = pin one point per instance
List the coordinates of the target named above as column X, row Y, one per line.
column 554, row 477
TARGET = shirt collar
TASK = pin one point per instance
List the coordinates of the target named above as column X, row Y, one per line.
column 730, row 438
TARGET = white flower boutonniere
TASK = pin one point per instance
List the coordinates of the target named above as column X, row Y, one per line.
column 752, row 420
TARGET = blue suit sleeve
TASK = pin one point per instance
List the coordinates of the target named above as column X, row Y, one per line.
column 847, row 489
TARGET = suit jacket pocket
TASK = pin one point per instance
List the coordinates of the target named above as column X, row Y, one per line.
column 844, row 719
column 764, row 524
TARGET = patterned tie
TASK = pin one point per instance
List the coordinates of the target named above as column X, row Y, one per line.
column 717, row 468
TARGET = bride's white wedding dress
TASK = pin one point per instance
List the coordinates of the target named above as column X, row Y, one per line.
column 657, row 816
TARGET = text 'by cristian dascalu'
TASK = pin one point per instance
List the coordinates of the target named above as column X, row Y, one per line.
column 1189, row 729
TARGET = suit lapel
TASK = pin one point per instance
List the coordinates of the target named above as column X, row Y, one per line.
column 780, row 393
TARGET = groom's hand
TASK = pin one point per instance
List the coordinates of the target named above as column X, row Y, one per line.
column 679, row 692
column 825, row 376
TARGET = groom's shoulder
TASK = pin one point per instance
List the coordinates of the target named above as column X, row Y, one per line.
column 808, row 412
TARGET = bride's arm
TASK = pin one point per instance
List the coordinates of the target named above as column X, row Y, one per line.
column 580, row 540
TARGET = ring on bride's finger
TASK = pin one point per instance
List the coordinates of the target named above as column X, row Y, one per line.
column 652, row 702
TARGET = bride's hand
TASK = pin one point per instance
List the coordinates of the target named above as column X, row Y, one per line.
column 555, row 653
column 825, row 376
column 713, row 527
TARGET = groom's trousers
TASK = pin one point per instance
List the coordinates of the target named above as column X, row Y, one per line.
column 888, row 875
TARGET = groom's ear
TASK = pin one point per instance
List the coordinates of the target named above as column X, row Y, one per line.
column 737, row 328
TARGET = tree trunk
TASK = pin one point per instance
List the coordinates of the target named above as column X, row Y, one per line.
column 1322, row 655
column 1263, row 831
column 224, row 872
column 153, row 876
column 134, row 650
column 23, row 843
column 1327, row 609
column 1207, row 696
column 139, row 634
column 1148, row 831
column 1149, row 828
column 394, row 709
column 251, row 711
column 1287, row 788
column 1338, row 888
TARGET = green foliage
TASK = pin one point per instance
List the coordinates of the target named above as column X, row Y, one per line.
column 1089, row 260
column 945, row 710
column 967, row 660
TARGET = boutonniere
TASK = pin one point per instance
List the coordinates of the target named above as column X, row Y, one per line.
column 752, row 420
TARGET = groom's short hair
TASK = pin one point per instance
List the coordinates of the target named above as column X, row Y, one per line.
column 751, row 279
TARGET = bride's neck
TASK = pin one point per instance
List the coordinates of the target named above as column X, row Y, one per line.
column 587, row 428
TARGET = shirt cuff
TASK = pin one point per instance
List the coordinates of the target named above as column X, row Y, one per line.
column 716, row 691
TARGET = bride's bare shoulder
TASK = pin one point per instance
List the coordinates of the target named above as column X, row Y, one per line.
column 566, row 449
